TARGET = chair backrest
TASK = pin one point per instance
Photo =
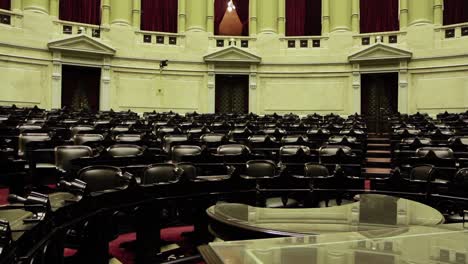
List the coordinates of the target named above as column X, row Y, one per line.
column 291, row 139
column 128, row 138
column 258, row 138
column 162, row 173
column 312, row 170
column 417, row 140
column 233, row 149
column 26, row 138
column 291, row 150
column 260, row 169
column 332, row 150
column 461, row 178
column 442, row 153
column 100, row 178
column 125, row 150
column 178, row 152
column 170, row 140
column 213, row 138
column 421, row 173
column 80, row 139
column 65, row 154
column 341, row 139
column 80, row 128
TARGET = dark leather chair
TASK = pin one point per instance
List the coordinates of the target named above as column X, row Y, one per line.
column 125, row 150
column 161, row 174
column 88, row 139
column 128, row 138
column 102, row 178
column 171, row 140
column 419, row 179
column 81, row 129
column 263, row 171
column 27, row 138
column 186, row 153
column 65, row 154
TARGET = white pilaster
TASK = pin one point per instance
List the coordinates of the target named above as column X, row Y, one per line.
column 56, row 80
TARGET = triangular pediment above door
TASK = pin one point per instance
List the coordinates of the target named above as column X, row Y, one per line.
column 380, row 52
column 81, row 44
column 232, row 54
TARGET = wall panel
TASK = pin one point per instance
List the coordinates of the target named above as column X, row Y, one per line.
column 22, row 83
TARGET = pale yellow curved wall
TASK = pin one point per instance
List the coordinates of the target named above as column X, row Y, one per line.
column 297, row 80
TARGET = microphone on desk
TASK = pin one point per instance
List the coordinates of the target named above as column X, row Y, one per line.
column 36, row 203
column 75, row 186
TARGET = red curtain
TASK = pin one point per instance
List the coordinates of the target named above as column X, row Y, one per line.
column 303, row 17
column 159, row 15
column 379, row 16
column 82, row 11
column 242, row 9
column 455, row 11
column 5, row 4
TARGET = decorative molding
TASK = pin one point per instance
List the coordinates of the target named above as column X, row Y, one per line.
column 81, row 44
column 379, row 52
column 232, row 54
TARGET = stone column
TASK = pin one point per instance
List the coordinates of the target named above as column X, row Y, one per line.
column 325, row 17
column 267, row 16
column 105, row 15
column 420, row 12
column 121, row 12
column 403, row 14
column 54, row 8
column 16, row 6
column 136, row 14
column 39, row 6
column 211, row 88
column 104, row 93
column 253, row 18
column 355, row 26
column 182, row 16
column 56, row 80
column 196, row 15
column 281, row 17
column 403, row 88
column 340, row 15
column 210, row 16
column 438, row 13
column 253, row 105
column 356, row 89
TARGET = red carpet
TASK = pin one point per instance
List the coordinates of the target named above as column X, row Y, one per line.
column 4, row 192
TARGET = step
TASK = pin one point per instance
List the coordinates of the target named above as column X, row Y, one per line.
column 380, row 146
column 374, row 140
column 378, row 162
column 378, row 154
column 377, row 172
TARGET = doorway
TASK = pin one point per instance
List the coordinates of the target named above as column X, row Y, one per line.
column 81, row 88
column 232, row 94
column 379, row 100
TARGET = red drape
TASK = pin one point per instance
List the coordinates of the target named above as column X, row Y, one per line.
column 379, row 16
column 303, row 17
column 159, row 15
column 5, row 4
column 455, row 11
column 82, row 11
column 242, row 9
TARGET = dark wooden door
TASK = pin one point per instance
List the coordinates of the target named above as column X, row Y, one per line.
column 80, row 87
column 232, row 94
column 379, row 100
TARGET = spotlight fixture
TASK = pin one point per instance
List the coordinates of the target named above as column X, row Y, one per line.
column 231, row 6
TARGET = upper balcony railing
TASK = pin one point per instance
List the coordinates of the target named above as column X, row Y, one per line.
column 160, row 38
column 390, row 37
column 453, row 31
column 11, row 18
column 304, row 42
column 237, row 41
column 74, row 28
